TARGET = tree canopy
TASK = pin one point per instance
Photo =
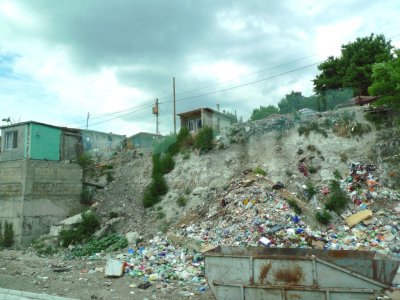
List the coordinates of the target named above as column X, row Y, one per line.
column 263, row 112
column 353, row 68
column 295, row 100
column 386, row 82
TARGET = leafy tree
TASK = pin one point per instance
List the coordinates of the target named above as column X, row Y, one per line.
column 291, row 103
column 330, row 77
column 354, row 67
column 386, row 82
column 263, row 112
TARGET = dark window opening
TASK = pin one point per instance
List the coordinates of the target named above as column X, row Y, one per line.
column 11, row 139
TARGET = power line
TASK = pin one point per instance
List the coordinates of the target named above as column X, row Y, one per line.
column 248, row 75
column 244, row 84
column 98, row 116
column 132, row 112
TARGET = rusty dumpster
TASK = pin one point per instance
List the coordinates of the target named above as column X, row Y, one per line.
column 283, row 273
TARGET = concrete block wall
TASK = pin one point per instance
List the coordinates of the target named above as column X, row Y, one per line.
column 39, row 194
column 12, row 190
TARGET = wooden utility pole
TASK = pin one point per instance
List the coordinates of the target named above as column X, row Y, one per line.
column 87, row 121
column 173, row 87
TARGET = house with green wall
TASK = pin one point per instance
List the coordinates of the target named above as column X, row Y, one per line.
column 38, row 141
column 30, row 140
column 143, row 140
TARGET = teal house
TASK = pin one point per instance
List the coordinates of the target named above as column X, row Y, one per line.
column 143, row 140
column 31, row 140
column 38, row 141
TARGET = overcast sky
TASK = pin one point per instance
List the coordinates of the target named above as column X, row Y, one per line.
column 60, row 60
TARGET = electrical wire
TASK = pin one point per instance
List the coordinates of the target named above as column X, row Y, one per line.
column 244, row 84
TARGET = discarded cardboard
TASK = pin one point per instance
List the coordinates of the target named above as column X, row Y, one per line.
column 114, row 268
column 358, row 217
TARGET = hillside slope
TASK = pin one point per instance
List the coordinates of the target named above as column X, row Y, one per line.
column 286, row 147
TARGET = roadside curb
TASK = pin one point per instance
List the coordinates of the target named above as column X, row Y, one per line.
column 6, row 294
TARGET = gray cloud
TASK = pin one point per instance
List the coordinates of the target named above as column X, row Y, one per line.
column 148, row 42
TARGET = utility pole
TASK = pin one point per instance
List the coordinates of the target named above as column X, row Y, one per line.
column 155, row 112
column 87, row 121
column 173, row 86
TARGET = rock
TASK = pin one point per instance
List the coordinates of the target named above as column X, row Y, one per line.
column 64, row 224
column 132, row 237
column 199, row 190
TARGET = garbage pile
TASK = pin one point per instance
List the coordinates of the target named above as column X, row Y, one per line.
column 249, row 214
column 159, row 264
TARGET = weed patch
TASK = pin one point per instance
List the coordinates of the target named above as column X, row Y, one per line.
column 309, row 127
column 6, row 235
column 111, row 242
column 259, row 171
column 87, row 196
column 323, row 217
column 181, row 201
column 293, row 204
column 310, row 189
column 338, row 199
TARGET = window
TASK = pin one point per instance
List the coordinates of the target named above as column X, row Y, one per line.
column 10, row 141
column 198, row 123
column 191, row 126
column 194, row 125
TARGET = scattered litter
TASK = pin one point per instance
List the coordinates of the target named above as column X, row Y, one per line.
column 114, row 268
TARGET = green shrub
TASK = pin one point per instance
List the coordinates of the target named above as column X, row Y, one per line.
column 311, row 148
column 111, row 242
column 259, row 171
column 8, row 236
column 166, row 144
column 159, row 185
column 86, row 196
column 187, row 191
column 85, row 161
column 379, row 120
column 167, row 163
column 109, row 177
column 157, row 188
column 113, row 215
column 181, row 201
column 338, row 199
column 149, row 197
column 204, row 139
column 80, row 231
column 293, row 204
column 310, row 189
column 184, row 138
column 323, row 217
column 185, row 155
column 43, row 249
column 156, row 165
column 336, row 174
column 160, row 215
column 359, row 129
column 312, row 169
column 307, row 127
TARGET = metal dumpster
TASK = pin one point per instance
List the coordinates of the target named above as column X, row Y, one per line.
column 278, row 273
